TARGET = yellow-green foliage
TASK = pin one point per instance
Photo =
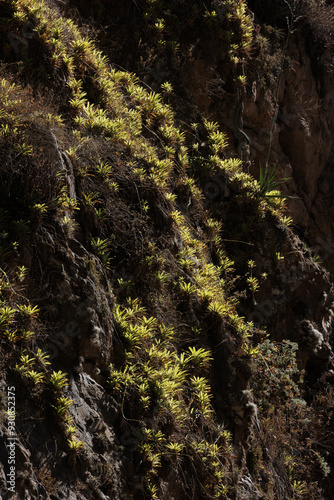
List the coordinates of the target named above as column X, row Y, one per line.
column 112, row 116
column 28, row 363
column 101, row 107
column 157, row 376
column 195, row 257
column 161, row 371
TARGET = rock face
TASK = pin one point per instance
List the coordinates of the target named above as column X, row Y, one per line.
column 166, row 333
column 306, row 138
column 302, row 138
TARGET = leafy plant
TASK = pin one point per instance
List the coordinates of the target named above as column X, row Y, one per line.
column 104, row 169
column 277, row 370
column 71, row 430
column 28, row 310
column 62, row 405
column 75, row 445
column 69, row 225
column 167, row 88
column 202, row 395
column 269, row 183
column 21, row 272
column 198, row 357
column 175, row 448
column 6, row 315
column 58, row 380
column 253, row 284
column 11, row 335
column 35, row 376
column 25, row 364
column 42, row 358
column 101, row 248
column 91, row 199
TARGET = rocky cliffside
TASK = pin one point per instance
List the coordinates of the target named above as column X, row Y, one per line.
column 165, row 311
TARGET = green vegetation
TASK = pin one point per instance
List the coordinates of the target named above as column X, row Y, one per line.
column 104, row 200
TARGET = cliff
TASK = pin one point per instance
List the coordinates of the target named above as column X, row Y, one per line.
column 166, row 249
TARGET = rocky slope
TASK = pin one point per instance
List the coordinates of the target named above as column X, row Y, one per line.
column 165, row 321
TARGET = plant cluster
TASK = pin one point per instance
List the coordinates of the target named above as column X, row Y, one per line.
column 288, row 423
column 129, row 183
column 159, row 380
column 31, row 368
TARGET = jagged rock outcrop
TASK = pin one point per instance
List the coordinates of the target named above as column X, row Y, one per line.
column 164, row 332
